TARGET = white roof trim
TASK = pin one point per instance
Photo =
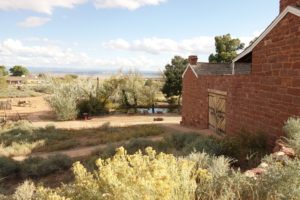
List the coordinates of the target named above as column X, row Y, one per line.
column 189, row 66
column 289, row 9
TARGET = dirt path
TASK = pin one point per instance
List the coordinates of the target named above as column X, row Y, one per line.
column 80, row 152
column 114, row 120
column 86, row 151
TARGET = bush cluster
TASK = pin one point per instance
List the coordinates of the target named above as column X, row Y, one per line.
column 201, row 176
column 34, row 167
column 64, row 99
column 292, row 129
column 247, row 148
column 164, row 176
column 21, row 138
column 246, row 153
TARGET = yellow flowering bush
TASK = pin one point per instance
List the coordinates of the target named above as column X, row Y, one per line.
column 148, row 176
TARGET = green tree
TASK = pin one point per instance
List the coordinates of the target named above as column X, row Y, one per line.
column 173, row 77
column 18, row 70
column 150, row 91
column 226, row 49
column 108, row 89
column 131, row 85
column 3, row 71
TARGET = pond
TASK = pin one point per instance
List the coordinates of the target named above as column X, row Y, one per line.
column 156, row 110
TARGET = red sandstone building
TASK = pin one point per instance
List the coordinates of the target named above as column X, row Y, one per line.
column 258, row 91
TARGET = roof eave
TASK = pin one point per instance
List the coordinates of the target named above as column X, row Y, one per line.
column 289, row 9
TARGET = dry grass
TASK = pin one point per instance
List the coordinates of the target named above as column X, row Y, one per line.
column 22, row 138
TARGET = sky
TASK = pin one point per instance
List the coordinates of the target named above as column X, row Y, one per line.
column 139, row 35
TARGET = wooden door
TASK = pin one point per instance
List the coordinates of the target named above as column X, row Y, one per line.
column 217, row 111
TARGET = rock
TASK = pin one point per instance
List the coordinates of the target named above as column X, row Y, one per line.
column 250, row 174
column 158, row 119
column 279, row 153
column 281, row 157
column 255, row 172
column 289, row 152
column 278, row 145
column 258, row 171
column 263, row 165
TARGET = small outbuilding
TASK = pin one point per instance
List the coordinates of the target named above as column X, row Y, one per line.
column 15, row 80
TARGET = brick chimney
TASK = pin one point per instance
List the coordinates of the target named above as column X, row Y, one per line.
column 193, row 60
column 286, row 3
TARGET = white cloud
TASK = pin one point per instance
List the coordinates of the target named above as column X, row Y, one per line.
column 201, row 45
column 13, row 52
column 204, row 45
column 34, row 22
column 47, row 6
column 126, row 4
column 41, row 6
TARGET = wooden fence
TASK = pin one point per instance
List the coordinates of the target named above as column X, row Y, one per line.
column 5, row 105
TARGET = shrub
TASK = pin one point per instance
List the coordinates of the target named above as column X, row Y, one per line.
column 21, row 125
column 46, row 89
column 292, row 130
column 106, row 126
column 280, row 181
column 63, row 101
column 11, row 92
column 138, row 176
column 247, row 148
column 140, row 143
column 224, row 183
column 8, row 167
column 21, row 138
column 19, row 149
column 25, row 191
column 187, row 143
column 37, row 167
column 92, row 106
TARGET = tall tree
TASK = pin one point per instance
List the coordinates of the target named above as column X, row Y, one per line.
column 18, row 70
column 131, row 85
column 173, row 77
column 3, row 71
column 150, row 91
column 226, row 49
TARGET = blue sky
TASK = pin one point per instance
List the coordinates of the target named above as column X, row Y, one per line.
column 128, row 34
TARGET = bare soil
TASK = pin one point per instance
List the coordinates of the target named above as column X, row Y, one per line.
column 79, row 152
column 35, row 109
column 40, row 114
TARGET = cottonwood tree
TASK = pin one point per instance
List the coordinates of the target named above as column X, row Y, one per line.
column 131, row 85
column 18, row 70
column 173, row 77
column 150, row 90
column 108, row 89
column 226, row 49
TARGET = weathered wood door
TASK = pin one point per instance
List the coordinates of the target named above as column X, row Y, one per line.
column 217, row 112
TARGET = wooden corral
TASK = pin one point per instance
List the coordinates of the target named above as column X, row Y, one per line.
column 5, row 105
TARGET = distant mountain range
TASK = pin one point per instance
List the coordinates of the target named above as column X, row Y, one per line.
column 88, row 72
